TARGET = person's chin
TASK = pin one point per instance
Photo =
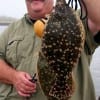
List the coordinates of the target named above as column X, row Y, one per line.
column 38, row 8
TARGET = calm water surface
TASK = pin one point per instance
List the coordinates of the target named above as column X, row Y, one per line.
column 2, row 28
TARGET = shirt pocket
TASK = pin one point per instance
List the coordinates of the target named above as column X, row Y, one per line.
column 11, row 51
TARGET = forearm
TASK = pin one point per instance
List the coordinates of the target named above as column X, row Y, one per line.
column 93, row 8
column 20, row 80
column 94, row 28
column 6, row 73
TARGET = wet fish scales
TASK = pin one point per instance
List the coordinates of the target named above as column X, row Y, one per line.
column 62, row 44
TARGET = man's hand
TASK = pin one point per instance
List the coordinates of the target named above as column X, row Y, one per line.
column 23, row 84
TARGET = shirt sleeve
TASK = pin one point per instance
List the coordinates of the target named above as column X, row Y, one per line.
column 90, row 43
column 97, row 37
column 4, row 40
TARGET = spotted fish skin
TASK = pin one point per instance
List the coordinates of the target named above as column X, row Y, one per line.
column 61, row 47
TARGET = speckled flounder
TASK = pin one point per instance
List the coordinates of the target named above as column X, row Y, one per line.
column 61, row 47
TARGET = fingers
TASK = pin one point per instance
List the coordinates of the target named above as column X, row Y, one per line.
column 23, row 84
column 28, row 87
column 25, row 91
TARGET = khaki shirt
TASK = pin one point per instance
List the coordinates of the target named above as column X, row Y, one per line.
column 19, row 47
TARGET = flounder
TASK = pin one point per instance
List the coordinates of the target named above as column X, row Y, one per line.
column 62, row 43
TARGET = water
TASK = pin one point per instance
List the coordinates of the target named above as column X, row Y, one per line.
column 2, row 28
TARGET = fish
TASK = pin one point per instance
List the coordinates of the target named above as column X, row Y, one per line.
column 62, row 43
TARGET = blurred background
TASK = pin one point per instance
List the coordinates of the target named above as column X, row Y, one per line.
column 11, row 10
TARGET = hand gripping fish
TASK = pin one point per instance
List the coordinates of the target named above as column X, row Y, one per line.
column 62, row 43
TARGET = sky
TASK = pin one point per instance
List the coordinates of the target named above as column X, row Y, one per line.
column 12, row 8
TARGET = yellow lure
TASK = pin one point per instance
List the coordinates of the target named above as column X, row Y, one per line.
column 39, row 26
